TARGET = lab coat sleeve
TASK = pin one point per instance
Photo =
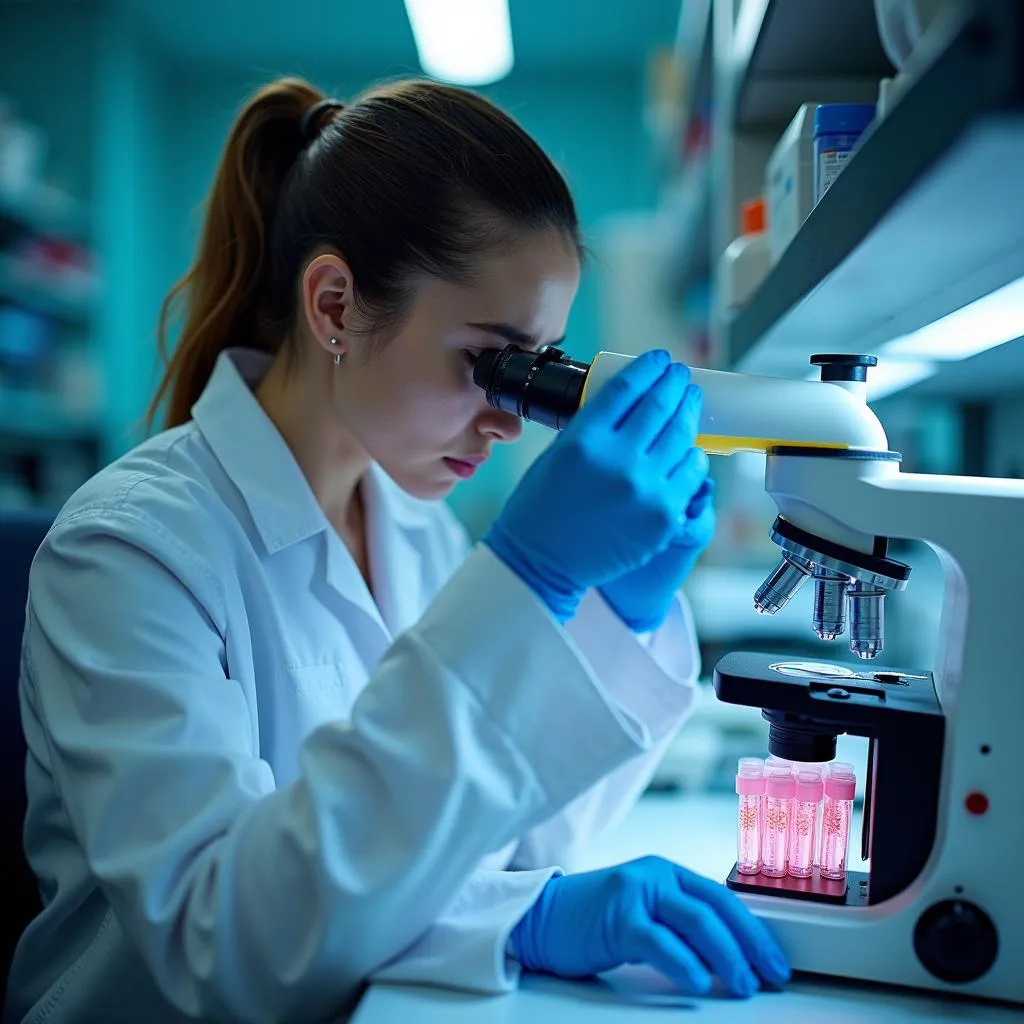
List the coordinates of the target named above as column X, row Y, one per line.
column 258, row 904
column 466, row 945
column 652, row 679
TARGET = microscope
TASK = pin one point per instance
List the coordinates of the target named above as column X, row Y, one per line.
column 940, row 822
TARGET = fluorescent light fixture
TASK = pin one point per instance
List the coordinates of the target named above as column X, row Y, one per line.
column 465, row 42
column 991, row 320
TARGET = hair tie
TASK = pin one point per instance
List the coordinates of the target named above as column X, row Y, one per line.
column 310, row 116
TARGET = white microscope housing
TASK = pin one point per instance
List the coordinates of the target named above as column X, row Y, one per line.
column 941, row 906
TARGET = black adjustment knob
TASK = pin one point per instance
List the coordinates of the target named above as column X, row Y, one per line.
column 956, row 941
column 836, row 366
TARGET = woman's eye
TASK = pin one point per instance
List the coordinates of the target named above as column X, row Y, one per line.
column 470, row 354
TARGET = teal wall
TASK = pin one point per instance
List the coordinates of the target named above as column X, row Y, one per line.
column 138, row 138
column 133, row 175
column 592, row 128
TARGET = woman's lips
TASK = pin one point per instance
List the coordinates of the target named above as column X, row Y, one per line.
column 465, row 467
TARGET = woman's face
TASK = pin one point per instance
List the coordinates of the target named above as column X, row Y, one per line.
column 412, row 403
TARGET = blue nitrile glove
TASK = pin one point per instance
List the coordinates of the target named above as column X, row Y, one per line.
column 643, row 598
column 605, row 496
column 649, row 911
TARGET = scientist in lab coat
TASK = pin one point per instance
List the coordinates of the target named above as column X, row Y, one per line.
column 286, row 733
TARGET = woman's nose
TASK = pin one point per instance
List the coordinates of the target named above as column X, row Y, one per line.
column 500, row 426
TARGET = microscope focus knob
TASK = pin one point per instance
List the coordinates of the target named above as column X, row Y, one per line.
column 956, row 941
column 836, row 366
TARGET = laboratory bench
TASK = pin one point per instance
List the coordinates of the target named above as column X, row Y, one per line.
column 698, row 831
column 638, row 996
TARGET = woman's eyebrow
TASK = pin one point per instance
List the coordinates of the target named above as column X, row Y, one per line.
column 512, row 334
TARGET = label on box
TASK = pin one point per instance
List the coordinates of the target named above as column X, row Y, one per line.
column 830, row 163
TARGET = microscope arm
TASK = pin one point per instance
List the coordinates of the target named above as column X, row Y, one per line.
column 745, row 412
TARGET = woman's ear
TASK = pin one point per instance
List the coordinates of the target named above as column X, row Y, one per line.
column 327, row 294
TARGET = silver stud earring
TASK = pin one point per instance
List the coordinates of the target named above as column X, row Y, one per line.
column 337, row 355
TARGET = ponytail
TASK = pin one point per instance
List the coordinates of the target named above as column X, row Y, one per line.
column 221, row 291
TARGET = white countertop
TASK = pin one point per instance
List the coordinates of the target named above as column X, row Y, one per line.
column 639, row 996
column 697, row 831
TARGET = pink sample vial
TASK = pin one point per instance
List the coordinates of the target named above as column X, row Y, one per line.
column 769, row 760
column 836, row 812
column 779, row 787
column 750, row 788
column 803, row 821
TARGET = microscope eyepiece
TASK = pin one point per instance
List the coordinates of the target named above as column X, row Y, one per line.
column 544, row 387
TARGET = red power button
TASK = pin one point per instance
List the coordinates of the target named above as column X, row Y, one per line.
column 976, row 803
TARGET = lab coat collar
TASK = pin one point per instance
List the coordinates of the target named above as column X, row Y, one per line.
column 260, row 464
column 253, row 453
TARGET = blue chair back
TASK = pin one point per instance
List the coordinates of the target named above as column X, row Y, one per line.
column 20, row 536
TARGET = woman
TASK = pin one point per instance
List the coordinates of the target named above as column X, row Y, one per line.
column 284, row 734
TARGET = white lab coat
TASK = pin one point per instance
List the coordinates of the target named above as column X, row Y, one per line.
column 227, row 820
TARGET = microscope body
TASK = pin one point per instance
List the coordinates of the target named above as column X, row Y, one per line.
column 940, row 908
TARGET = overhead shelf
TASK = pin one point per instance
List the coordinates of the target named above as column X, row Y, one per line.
column 926, row 217
column 789, row 52
column 40, row 416
column 41, row 297
column 46, row 211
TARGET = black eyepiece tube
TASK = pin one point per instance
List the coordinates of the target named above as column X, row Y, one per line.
column 543, row 387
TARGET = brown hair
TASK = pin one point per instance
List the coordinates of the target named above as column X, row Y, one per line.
column 413, row 178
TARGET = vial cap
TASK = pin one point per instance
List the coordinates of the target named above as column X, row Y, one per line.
column 750, row 776
column 809, row 785
column 779, row 781
column 750, row 785
column 840, row 787
column 843, row 118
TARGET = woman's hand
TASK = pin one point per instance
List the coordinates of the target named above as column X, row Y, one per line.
column 643, row 598
column 654, row 912
column 608, row 494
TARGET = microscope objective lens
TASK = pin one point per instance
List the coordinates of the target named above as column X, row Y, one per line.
column 829, row 605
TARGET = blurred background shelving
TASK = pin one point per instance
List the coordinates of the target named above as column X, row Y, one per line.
column 663, row 115
column 49, row 294
column 926, row 218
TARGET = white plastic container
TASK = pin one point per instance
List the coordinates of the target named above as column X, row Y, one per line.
column 902, row 23
column 889, row 90
column 789, row 180
column 747, row 259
